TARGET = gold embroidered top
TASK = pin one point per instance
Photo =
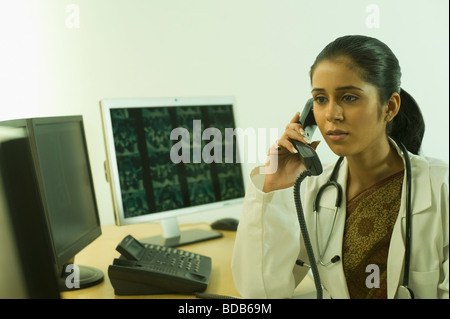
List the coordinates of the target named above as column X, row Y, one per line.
column 370, row 219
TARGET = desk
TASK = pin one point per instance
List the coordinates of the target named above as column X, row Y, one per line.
column 102, row 251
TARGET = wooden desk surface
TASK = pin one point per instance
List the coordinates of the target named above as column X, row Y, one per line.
column 102, row 251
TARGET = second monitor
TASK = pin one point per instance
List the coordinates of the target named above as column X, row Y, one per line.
column 171, row 156
column 61, row 168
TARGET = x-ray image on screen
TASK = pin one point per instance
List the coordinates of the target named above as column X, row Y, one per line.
column 150, row 181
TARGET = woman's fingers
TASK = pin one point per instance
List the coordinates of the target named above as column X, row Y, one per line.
column 284, row 142
column 294, row 131
column 296, row 118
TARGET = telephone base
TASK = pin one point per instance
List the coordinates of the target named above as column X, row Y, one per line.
column 190, row 236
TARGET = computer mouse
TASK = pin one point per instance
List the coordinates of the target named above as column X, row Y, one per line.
column 225, row 224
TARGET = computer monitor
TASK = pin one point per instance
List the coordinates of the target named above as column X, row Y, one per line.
column 167, row 157
column 64, row 181
column 26, row 266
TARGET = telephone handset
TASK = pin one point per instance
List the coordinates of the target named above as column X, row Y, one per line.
column 309, row 155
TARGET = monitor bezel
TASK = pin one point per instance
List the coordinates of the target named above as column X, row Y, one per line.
column 111, row 167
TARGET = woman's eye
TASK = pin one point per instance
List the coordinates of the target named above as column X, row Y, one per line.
column 320, row 99
column 349, row 98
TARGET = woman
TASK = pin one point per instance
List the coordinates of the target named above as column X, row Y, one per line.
column 363, row 115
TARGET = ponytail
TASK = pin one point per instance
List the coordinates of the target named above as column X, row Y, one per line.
column 408, row 126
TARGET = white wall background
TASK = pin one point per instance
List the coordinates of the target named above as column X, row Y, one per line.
column 60, row 57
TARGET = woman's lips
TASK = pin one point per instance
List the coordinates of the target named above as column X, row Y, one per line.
column 336, row 135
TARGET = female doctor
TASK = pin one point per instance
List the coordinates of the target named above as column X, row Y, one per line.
column 363, row 114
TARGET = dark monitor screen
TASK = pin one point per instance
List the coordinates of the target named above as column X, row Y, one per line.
column 67, row 184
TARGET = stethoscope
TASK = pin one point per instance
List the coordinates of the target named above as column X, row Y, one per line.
column 404, row 292
column 332, row 182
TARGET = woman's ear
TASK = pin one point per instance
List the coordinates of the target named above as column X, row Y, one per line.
column 393, row 107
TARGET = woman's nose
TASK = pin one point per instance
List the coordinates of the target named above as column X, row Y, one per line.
column 334, row 112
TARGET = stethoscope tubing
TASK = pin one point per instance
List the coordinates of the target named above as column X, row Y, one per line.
column 408, row 220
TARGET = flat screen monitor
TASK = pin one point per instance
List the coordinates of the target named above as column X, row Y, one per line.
column 168, row 157
column 26, row 266
column 64, row 181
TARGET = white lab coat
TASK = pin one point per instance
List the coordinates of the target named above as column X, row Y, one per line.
column 268, row 238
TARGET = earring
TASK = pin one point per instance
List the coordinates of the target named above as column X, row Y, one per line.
column 388, row 117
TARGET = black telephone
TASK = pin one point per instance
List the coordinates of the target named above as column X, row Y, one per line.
column 145, row 269
column 309, row 155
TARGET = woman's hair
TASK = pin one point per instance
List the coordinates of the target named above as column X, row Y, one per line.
column 376, row 64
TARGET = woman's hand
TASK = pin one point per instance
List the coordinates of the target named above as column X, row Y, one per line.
column 289, row 164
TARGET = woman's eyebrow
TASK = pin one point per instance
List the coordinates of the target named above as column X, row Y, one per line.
column 348, row 87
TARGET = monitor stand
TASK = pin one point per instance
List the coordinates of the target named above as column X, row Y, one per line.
column 74, row 277
column 174, row 237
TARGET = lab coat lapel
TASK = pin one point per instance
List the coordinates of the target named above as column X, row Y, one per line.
column 419, row 203
column 420, row 175
column 332, row 276
column 396, row 256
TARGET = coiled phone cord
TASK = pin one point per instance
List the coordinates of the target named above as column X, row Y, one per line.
column 304, row 232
